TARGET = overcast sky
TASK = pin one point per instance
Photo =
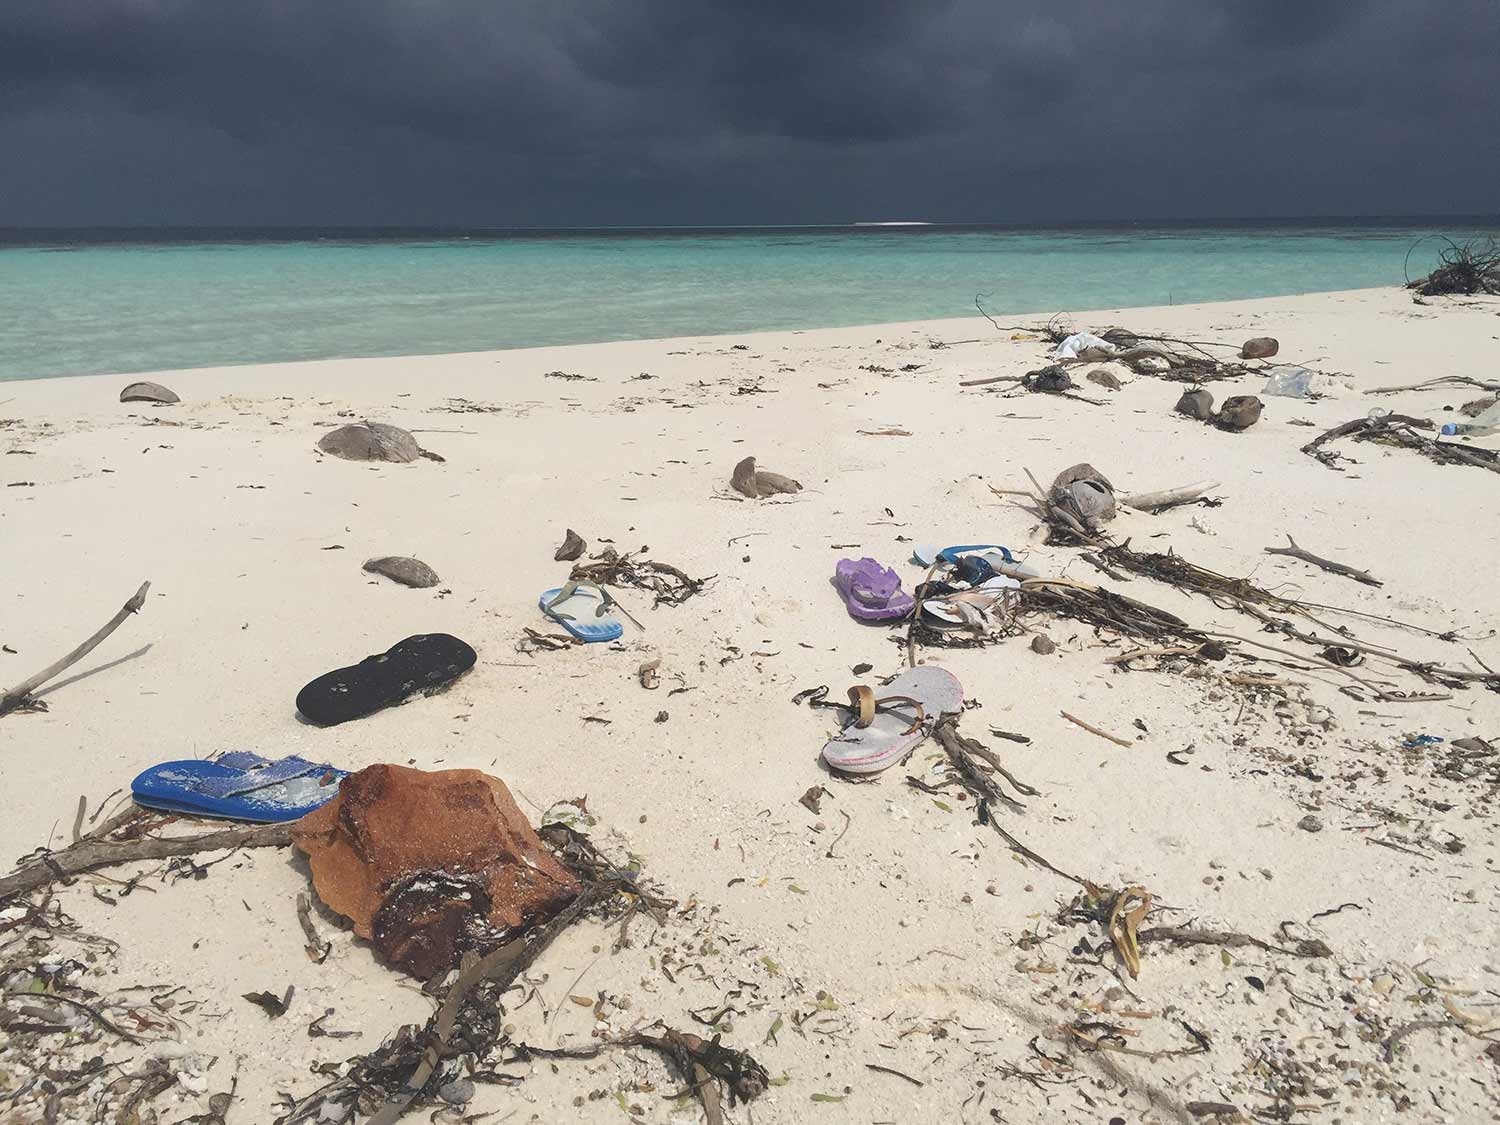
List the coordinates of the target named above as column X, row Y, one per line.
column 632, row 112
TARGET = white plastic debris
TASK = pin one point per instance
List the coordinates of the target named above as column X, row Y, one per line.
column 1080, row 341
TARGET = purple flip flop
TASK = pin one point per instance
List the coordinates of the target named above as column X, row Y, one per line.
column 872, row 592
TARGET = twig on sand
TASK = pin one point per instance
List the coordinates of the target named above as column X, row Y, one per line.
column 1441, row 381
column 1380, row 693
column 704, row 1062
column 1095, row 730
column 1231, row 939
column 21, row 693
column 97, row 850
column 1296, row 552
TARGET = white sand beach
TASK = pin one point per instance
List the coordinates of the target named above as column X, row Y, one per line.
column 890, row 931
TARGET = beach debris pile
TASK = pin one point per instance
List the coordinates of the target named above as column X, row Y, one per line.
column 1404, row 431
column 1464, row 268
column 76, row 1044
column 431, row 865
column 667, row 584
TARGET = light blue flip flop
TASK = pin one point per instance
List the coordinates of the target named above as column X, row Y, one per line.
column 238, row 786
column 582, row 608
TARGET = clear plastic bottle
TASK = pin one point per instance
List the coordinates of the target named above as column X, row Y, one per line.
column 1483, row 426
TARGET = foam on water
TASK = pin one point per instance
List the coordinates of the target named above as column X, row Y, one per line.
column 73, row 304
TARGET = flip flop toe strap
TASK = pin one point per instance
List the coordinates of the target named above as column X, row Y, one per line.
column 262, row 777
column 866, row 705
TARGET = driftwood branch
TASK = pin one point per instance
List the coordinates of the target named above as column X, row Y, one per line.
column 1442, row 381
column 1231, row 939
column 992, row 379
column 1296, row 552
column 93, row 852
column 1168, row 498
column 19, row 694
column 1359, row 424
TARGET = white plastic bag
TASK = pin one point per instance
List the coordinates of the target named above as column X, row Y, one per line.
column 1077, row 342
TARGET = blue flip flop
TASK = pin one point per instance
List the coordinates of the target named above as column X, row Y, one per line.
column 582, row 608
column 238, row 786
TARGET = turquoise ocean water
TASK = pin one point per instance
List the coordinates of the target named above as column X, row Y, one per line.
column 74, row 303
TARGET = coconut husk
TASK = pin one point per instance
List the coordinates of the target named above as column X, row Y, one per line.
column 1085, row 493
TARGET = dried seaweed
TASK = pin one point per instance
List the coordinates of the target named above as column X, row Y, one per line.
column 1175, row 570
column 1105, row 609
column 668, row 585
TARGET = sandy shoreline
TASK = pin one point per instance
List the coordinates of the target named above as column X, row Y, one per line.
column 909, row 948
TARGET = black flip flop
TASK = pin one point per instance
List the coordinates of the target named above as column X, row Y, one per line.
column 422, row 663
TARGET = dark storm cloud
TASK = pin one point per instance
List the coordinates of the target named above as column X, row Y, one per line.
column 698, row 111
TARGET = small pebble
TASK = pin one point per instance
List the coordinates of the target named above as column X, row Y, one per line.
column 457, row 1092
column 1310, row 823
column 1042, row 645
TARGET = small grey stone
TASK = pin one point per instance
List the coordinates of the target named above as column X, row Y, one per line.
column 148, row 392
column 371, row 441
column 1261, row 347
column 1310, row 823
column 457, row 1092
column 572, row 547
column 1042, row 645
column 407, row 571
column 1197, row 404
column 1104, row 377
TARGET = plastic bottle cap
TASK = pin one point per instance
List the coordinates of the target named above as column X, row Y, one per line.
column 1449, row 428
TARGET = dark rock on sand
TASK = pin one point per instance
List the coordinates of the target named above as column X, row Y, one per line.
column 149, row 392
column 371, row 441
column 1104, row 378
column 1261, row 347
column 1197, row 404
column 1042, row 645
column 1239, row 413
column 407, row 571
column 572, row 547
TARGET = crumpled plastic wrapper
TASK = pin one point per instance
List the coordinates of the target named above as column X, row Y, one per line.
column 429, row 865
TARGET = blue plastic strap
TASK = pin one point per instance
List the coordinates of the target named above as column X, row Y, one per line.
column 274, row 773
